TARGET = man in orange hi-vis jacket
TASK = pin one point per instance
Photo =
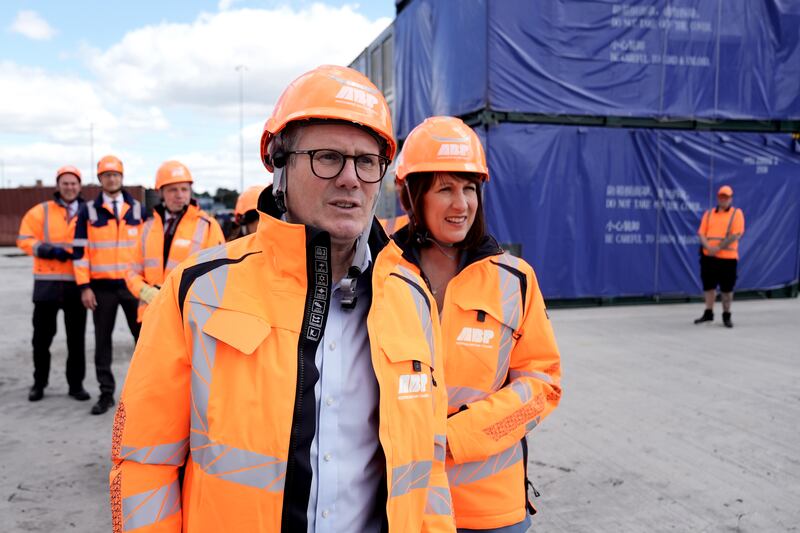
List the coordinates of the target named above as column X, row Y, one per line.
column 106, row 233
column 720, row 231
column 177, row 229
column 291, row 380
column 46, row 233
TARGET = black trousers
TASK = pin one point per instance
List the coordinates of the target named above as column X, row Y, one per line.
column 45, row 315
column 105, row 315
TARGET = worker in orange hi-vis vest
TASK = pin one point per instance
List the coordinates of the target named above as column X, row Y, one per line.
column 502, row 365
column 177, row 229
column 106, row 234
column 46, row 233
column 291, row 380
column 720, row 231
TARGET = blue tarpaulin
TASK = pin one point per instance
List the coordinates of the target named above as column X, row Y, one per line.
column 735, row 59
column 612, row 212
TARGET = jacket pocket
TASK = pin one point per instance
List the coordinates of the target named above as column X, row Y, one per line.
column 242, row 331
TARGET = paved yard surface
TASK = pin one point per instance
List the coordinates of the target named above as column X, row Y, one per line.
column 664, row 426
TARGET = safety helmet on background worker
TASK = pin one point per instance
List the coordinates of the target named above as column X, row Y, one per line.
column 441, row 144
column 172, row 172
column 68, row 169
column 330, row 92
column 109, row 163
column 725, row 190
column 247, row 201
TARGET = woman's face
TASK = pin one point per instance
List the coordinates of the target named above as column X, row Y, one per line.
column 449, row 207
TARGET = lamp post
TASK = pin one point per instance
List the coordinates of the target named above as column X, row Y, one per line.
column 240, row 69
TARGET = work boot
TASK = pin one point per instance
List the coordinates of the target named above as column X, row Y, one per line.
column 708, row 316
column 80, row 394
column 726, row 319
column 104, row 403
column 36, row 393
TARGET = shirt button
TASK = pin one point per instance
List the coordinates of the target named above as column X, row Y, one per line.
column 328, row 401
column 325, row 513
column 327, row 457
column 332, row 346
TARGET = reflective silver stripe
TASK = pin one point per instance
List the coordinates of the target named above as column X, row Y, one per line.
column 80, row 243
column 515, row 374
column 136, row 269
column 109, row 268
column 458, row 396
column 511, row 300
column 220, row 460
column 438, row 502
column 171, row 263
column 149, row 507
column 161, row 454
column 477, row 470
column 439, row 447
column 523, row 390
column 23, row 237
column 410, row 476
column 55, row 243
column 152, row 263
column 237, row 465
column 81, row 263
column 423, row 313
column 92, row 212
column 199, row 233
column 146, row 233
column 532, row 424
column 46, row 206
column 54, row 277
column 110, row 244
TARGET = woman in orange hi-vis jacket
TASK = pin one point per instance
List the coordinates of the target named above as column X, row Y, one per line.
column 291, row 380
column 502, row 365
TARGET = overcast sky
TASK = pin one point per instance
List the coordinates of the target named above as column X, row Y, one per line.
column 157, row 80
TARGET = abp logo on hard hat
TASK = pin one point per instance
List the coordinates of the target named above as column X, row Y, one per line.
column 354, row 93
column 457, row 147
column 177, row 172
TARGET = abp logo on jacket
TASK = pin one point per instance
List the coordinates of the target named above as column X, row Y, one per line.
column 413, row 386
column 476, row 337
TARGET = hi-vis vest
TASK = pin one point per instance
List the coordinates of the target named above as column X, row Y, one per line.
column 103, row 246
column 196, row 230
column 222, row 376
column 503, row 373
column 48, row 223
column 716, row 225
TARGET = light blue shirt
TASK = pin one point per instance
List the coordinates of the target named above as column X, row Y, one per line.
column 347, row 464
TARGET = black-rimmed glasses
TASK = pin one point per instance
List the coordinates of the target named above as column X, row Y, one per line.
column 327, row 164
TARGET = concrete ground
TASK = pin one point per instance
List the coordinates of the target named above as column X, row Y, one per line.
column 664, row 426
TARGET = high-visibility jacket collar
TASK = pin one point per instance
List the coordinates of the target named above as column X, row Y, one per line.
column 126, row 198
column 488, row 247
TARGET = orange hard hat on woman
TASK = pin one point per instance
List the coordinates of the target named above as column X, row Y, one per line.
column 442, row 144
column 334, row 93
column 172, row 172
column 109, row 163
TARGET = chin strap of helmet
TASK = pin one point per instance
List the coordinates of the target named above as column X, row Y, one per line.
column 349, row 282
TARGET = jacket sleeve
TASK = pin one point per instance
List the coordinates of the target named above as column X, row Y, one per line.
column 214, row 235
column 150, row 440
column 438, row 515
column 29, row 239
column 80, row 262
column 495, row 423
column 134, row 279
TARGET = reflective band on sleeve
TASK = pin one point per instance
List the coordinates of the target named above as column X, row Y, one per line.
column 80, row 243
column 410, row 476
column 458, row 396
column 523, row 390
column 54, row 277
column 161, row 454
column 81, row 263
column 46, row 206
column 477, row 470
column 171, row 263
column 110, row 244
column 152, row 506
column 23, row 237
column 515, row 374
column 151, row 263
column 438, row 502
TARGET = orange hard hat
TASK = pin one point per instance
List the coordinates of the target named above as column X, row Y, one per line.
column 725, row 190
column 109, row 163
column 330, row 92
column 248, row 200
column 172, row 172
column 68, row 169
column 441, row 144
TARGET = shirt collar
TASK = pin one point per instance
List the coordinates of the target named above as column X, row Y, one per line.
column 108, row 199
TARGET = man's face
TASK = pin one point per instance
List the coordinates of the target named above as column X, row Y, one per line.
column 176, row 196
column 724, row 201
column 69, row 187
column 110, row 182
column 342, row 206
